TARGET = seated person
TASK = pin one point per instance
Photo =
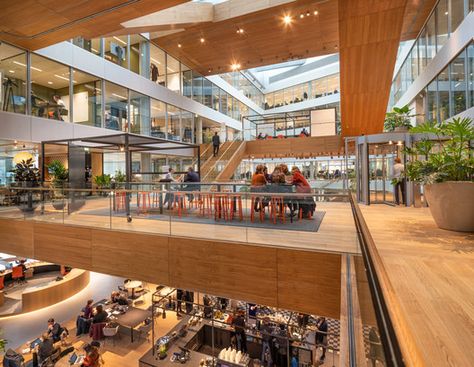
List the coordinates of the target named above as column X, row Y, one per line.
column 54, row 330
column 87, row 310
column 100, row 315
column 118, row 297
column 92, row 358
column 46, row 348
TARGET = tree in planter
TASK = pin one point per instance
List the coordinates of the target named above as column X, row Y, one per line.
column 59, row 175
column 398, row 119
column 26, row 175
column 443, row 161
column 119, row 179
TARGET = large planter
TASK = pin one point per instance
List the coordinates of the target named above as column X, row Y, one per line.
column 451, row 205
column 401, row 129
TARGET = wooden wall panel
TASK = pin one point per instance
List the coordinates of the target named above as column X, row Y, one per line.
column 314, row 277
column 237, row 271
column 16, row 237
column 133, row 255
column 97, row 164
column 61, row 244
column 295, row 147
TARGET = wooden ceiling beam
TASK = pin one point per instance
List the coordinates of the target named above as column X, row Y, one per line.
column 369, row 36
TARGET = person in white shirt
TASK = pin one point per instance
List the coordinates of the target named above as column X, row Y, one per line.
column 397, row 174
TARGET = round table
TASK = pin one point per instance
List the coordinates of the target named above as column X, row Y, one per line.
column 132, row 285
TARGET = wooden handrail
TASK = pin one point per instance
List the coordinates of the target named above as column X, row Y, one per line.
column 411, row 354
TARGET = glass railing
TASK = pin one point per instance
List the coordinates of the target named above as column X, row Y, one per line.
column 236, row 212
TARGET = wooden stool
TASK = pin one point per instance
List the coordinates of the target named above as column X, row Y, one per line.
column 179, row 198
column 259, row 201
column 205, row 203
column 120, row 197
column 221, row 206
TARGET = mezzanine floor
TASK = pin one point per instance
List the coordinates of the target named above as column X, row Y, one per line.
column 336, row 232
column 432, row 272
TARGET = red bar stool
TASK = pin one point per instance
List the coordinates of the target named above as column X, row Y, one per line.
column 221, row 206
column 205, row 203
column 277, row 209
column 236, row 201
column 179, row 198
column 120, row 198
column 259, row 201
column 143, row 201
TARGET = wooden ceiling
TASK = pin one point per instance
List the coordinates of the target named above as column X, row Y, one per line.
column 266, row 39
column 34, row 24
column 370, row 32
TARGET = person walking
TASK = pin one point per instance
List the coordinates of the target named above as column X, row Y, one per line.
column 398, row 180
column 216, row 142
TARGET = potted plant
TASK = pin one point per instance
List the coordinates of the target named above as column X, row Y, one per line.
column 59, row 175
column 443, row 161
column 398, row 119
column 119, row 179
column 103, row 183
column 26, row 175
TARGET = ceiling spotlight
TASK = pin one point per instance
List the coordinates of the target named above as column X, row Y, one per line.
column 390, row 142
column 202, row 40
column 399, row 143
column 50, row 83
column 308, row 13
column 11, row 71
column 301, row 15
column 240, row 31
column 315, row 12
column 287, row 19
column 235, row 66
column 122, row 148
column 179, row 45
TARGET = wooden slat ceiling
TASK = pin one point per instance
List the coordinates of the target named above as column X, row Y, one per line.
column 34, row 24
column 266, row 40
column 369, row 33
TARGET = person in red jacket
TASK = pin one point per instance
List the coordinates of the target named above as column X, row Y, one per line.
column 305, row 204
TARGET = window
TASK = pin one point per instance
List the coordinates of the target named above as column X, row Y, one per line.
column 333, row 84
column 187, row 79
column 174, row 122
column 115, row 50
column 187, row 126
column 215, row 97
column 319, row 87
column 414, row 61
column 197, row 87
column 158, row 119
column 443, row 94
column 139, row 55
column 470, row 71
column 230, row 103
column 278, row 99
column 422, row 51
column 223, row 99
column 430, row 38
column 87, row 100
column 269, row 100
column 139, row 114
column 12, row 79
column 116, row 107
column 157, row 65
column 173, row 74
column 431, row 102
column 457, row 13
column 92, row 46
column 207, row 92
column 442, row 16
column 458, row 84
column 49, row 89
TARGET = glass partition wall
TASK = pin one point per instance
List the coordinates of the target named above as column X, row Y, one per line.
column 13, row 79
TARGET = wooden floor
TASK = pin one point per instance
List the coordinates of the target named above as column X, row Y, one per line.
column 336, row 232
column 432, row 273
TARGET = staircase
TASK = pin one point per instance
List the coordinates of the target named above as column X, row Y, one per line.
column 222, row 167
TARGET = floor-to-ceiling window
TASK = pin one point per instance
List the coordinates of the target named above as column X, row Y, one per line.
column 139, row 119
column 87, row 99
column 458, row 83
column 158, row 119
column 116, row 107
column 174, row 122
column 12, row 79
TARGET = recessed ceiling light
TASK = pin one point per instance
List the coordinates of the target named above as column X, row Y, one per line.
column 240, row 31
column 446, row 13
column 50, row 82
column 287, row 19
column 11, row 71
column 179, row 45
column 235, row 66
column 202, row 40
column 307, row 13
column 301, row 15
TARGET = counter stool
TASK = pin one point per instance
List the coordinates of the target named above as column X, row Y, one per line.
column 205, row 203
column 156, row 199
column 259, row 201
column 221, row 206
column 143, row 201
column 120, row 198
column 179, row 198
column 277, row 209
column 236, row 203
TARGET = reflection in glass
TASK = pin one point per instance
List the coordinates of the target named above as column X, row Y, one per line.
column 223, row 99
column 470, row 71
column 49, row 89
column 88, row 45
column 431, row 101
column 457, row 13
column 430, row 38
column 207, row 92
column 158, row 119
column 139, row 55
column 12, row 79
column 116, row 103
column 422, row 51
column 215, row 97
column 187, row 79
column 187, row 126
column 197, row 87
column 87, row 100
column 458, row 83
